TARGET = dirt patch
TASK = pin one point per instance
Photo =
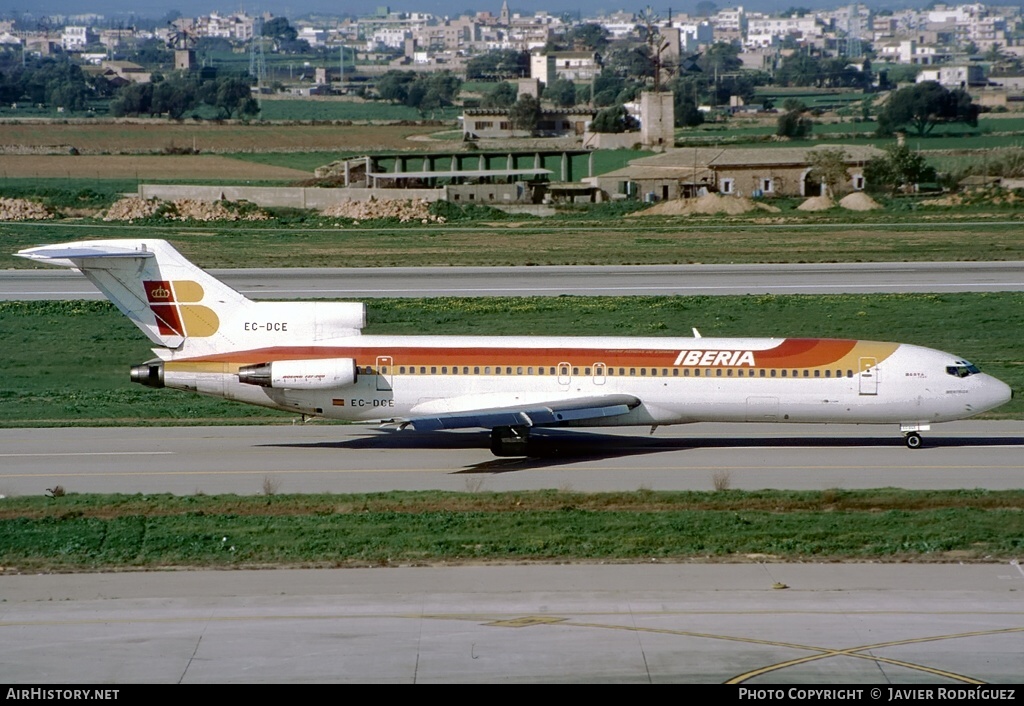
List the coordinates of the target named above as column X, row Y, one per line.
column 133, row 208
column 140, row 167
column 709, row 204
column 816, row 203
column 859, row 201
column 404, row 210
column 155, row 137
column 22, row 210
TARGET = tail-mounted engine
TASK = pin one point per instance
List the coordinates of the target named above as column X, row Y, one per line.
column 321, row 374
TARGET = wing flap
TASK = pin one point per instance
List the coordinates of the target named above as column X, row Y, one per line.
column 529, row 415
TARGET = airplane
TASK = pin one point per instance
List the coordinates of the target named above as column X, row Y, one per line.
column 312, row 358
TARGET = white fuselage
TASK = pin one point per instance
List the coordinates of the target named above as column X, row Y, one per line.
column 677, row 380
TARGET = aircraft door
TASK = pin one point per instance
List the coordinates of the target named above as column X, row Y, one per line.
column 600, row 371
column 385, row 372
column 564, row 374
column 868, row 376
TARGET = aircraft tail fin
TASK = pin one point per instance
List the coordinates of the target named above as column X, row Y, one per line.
column 183, row 308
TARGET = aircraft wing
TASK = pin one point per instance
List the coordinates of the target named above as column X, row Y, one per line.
column 534, row 414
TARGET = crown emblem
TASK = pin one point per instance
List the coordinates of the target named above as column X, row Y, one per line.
column 160, row 293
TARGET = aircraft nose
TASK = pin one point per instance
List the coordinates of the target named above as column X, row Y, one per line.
column 997, row 393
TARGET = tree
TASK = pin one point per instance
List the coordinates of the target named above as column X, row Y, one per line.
column 829, row 167
column 525, row 114
column 791, row 103
column 687, row 113
column 499, row 64
column 794, row 124
column 503, row 95
column 174, row 97
column 923, row 106
column 614, row 120
column 134, row 99
column 800, row 70
column 394, row 85
column 898, row 169
column 561, row 92
column 720, row 57
column 587, row 37
column 279, row 29
column 424, row 92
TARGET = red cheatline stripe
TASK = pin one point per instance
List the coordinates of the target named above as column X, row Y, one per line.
column 797, row 353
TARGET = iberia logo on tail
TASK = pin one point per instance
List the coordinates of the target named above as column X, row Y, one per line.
column 174, row 304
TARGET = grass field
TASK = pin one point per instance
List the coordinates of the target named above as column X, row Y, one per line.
column 67, row 362
column 598, row 237
column 157, row 136
column 138, row 532
column 338, row 109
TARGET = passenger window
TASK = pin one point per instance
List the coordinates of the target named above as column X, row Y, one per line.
column 423, row 370
column 444, row 369
column 773, row 373
column 402, row 370
column 433, row 370
column 784, row 372
column 586, row 371
column 718, row 372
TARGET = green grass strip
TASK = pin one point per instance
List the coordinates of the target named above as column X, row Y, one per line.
column 100, row 532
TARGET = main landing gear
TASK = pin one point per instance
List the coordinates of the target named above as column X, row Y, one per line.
column 912, row 440
column 509, row 441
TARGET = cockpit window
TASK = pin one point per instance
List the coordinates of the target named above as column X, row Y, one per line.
column 962, row 369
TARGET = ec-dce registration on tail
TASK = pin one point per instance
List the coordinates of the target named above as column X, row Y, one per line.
column 311, row 358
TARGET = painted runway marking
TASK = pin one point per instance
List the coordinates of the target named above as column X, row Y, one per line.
column 824, row 652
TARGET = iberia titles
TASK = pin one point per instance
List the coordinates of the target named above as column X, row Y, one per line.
column 731, row 359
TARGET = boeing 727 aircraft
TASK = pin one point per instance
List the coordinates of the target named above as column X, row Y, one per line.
column 312, row 358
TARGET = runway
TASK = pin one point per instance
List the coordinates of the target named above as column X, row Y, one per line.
column 942, row 626
column 362, row 283
column 316, row 458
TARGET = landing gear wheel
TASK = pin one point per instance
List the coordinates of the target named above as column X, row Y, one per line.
column 509, row 441
column 913, row 440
